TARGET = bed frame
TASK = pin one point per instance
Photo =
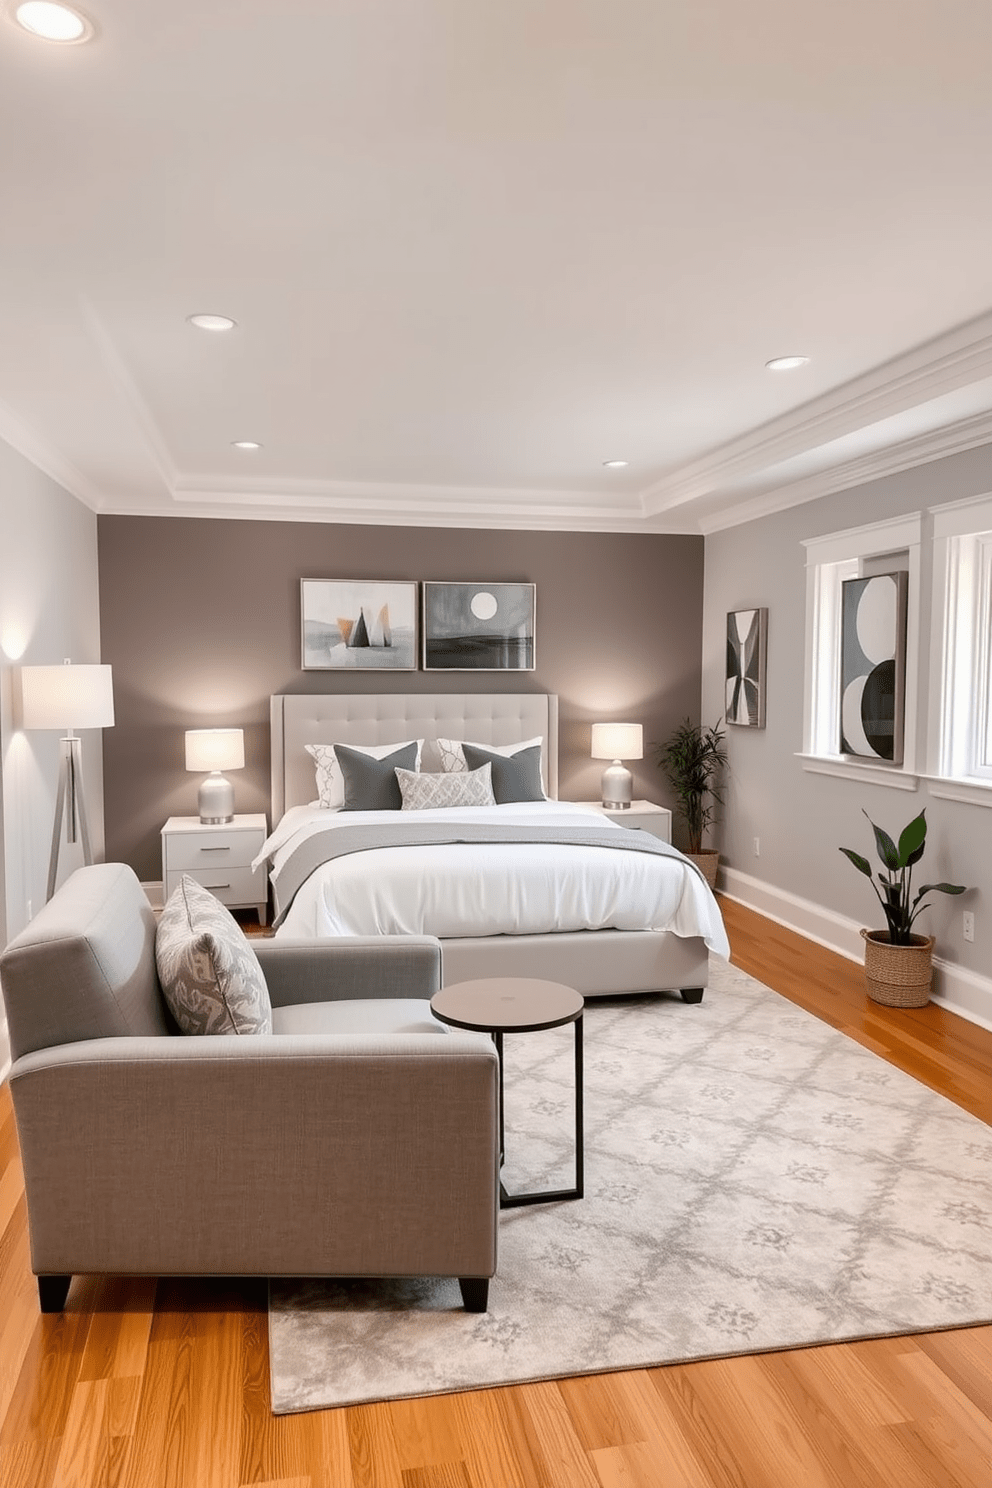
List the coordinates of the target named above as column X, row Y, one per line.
column 594, row 962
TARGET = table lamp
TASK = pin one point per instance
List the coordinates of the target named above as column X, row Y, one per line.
column 617, row 742
column 215, row 750
column 67, row 697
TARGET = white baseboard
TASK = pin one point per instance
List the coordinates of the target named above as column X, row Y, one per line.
column 955, row 987
column 4, row 1051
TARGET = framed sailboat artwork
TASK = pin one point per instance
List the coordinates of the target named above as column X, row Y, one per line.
column 358, row 625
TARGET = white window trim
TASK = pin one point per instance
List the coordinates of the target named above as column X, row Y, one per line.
column 960, row 659
column 830, row 560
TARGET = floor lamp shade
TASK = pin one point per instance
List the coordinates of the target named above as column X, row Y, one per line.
column 215, row 750
column 67, row 697
column 617, row 742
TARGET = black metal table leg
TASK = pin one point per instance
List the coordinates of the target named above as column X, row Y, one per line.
column 514, row 1201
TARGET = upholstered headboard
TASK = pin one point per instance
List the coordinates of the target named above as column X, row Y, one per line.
column 299, row 719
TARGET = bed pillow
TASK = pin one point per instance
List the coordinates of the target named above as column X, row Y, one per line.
column 515, row 777
column 370, row 783
column 453, row 755
column 330, row 782
column 427, row 792
column 209, row 974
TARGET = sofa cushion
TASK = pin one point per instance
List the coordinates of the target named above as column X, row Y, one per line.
column 209, row 973
column 371, row 1016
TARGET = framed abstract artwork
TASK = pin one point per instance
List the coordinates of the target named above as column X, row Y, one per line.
column 358, row 625
column 479, row 627
column 747, row 632
column 873, row 666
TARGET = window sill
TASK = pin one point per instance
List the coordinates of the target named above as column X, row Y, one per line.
column 860, row 770
column 973, row 792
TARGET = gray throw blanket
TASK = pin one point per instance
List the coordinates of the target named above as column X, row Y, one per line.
column 338, row 842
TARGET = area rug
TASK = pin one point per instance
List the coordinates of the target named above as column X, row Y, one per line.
column 754, row 1180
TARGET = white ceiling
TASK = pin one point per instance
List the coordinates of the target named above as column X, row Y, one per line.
column 477, row 247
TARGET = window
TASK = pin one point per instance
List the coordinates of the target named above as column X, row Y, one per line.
column 861, row 552
column 960, row 739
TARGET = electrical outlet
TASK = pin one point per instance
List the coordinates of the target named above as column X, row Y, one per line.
column 757, row 847
column 968, row 925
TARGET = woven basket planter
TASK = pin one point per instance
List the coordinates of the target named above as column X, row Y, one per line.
column 707, row 862
column 898, row 975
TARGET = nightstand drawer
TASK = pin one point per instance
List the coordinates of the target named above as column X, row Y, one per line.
column 231, row 886
column 222, row 849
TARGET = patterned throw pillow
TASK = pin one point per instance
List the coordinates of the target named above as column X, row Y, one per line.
column 210, row 976
column 330, row 781
column 423, row 792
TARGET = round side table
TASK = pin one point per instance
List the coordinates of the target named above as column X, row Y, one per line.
column 501, row 1005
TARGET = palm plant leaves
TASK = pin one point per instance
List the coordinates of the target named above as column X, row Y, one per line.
column 896, row 881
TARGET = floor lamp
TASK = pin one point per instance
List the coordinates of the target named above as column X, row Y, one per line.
column 67, row 697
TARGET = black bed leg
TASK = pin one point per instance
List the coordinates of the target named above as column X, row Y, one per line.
column 692, row 994
column 52, row 1292
column 475, row 1292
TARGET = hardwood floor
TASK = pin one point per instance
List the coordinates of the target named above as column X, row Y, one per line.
column 166, row 1385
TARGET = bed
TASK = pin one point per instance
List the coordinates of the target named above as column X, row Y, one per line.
column 633, row 920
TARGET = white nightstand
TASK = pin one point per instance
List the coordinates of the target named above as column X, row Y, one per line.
column 218, row 857
column 643, row 816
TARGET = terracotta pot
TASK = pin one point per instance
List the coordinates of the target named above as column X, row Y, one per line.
column 707, row 862
column 898, row 975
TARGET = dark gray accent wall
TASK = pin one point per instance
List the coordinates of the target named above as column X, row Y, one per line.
column 201, row 623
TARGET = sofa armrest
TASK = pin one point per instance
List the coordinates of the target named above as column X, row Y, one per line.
column 279, row 1155
column 350, row 967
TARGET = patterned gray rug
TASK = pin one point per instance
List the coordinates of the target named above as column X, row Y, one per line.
column 754, row 1180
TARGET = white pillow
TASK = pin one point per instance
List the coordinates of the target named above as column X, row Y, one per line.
column 427, row 792
column 453, row 756
column 330, row 781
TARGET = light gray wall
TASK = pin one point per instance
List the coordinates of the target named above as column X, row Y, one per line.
column 49, row 609
column 802, row 818
column 201, row 622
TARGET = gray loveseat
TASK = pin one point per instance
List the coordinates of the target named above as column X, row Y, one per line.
column 360, row 1138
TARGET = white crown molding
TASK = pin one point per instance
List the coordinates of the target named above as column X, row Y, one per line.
column 21, row 437
column 908, row 454
column 948, row 362
column 417, row 505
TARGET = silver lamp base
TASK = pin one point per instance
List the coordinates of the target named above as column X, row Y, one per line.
column 617, row 787
column 216, row 800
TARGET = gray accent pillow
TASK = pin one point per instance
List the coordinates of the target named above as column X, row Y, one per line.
column 516, row 777
column 209, row 974
column 371, row 784
column 426, row 792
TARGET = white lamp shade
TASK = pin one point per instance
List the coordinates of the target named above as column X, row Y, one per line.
column 617, row 741
column 215, row 749
column 67, row 697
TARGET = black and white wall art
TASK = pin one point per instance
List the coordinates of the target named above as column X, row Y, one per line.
column 747, row 632
column 873, row 666
column 358, row 625
column 479, row 627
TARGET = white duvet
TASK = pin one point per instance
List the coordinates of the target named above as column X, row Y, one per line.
column 461, row 889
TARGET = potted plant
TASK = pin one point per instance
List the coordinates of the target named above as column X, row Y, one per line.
column 692, row 758
column 899, row 963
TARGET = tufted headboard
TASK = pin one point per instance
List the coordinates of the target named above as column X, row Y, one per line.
column 299, row 719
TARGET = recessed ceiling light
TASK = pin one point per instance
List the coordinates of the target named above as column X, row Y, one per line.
column 246, row 444
column 53, row 22
column 616, row 464
column 786, row 363
column 212, row 322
